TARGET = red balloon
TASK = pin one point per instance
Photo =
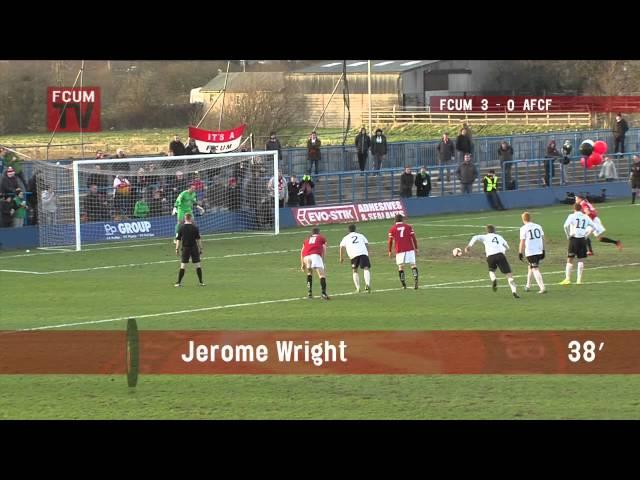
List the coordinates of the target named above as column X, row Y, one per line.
column 600, row 147
column 595, row 159
column 589, row 162
column 583, row 161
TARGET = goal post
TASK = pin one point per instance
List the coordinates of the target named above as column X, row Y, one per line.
column 119, row 199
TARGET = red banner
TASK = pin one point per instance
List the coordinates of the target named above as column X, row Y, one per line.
column 217, row 142
column 324, row 352
column 350, row 213
column 73, row 109
column 532, row 104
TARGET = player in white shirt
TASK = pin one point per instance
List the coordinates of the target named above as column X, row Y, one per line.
column 495, row 246
column 532, row 246
column 356, row 245
column 577, row 228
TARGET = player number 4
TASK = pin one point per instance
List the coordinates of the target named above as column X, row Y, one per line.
column 588, row 353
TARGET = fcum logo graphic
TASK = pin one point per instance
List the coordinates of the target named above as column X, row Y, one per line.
column 127, row 228
column 73, row 109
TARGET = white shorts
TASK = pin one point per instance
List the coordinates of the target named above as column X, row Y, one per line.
column 600, row 228
column 313, row 261
column 406, row 257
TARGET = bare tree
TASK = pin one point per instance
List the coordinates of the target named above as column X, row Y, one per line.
column 610, row 78
column 261, row 111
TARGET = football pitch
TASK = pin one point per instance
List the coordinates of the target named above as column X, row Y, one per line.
column 254, row 282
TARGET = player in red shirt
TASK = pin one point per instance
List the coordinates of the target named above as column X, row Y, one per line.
column 312, row 258
column 591, row 212
column 406, row 248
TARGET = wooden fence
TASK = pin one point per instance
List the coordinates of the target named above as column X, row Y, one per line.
column 396, row 115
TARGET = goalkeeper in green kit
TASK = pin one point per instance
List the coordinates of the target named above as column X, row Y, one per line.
column 184, row 204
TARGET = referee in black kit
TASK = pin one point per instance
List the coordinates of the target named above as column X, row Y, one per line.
column 189, row 239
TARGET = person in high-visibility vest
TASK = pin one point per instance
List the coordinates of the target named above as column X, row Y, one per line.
column 490, row 182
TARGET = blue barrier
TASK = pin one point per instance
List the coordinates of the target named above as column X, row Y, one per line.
column 27, row 237
column 114, row 231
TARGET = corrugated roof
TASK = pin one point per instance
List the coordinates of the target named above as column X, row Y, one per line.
column 243, row 82
column 360, row 66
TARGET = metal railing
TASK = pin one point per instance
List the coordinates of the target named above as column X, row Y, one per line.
column 355, row 186
column 529, row 174
column 484, row 150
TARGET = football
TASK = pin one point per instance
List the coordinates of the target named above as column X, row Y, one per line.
column 457, row 252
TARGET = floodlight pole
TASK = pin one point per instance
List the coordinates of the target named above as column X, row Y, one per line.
column 369, row 91
column 328, row 102
column 224, row 89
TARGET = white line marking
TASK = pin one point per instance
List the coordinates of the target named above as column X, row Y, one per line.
column 167, row 241
column 450, row 217
column 502, row 227
column 599, row 282
column 21, row 271
column 284, row 300
column 230, row 255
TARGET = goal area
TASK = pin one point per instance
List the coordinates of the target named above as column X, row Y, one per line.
column 123, row 199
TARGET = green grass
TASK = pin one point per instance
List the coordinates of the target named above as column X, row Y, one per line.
column 87, row 296
column 155, row 140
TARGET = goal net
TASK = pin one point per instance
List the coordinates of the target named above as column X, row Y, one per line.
column 121, row 199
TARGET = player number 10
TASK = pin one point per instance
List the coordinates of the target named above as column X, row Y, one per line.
column 588, row 353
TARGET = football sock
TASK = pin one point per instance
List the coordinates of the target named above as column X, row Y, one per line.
column 180, row 275
column 538, row 277
column 589, row 245
column 567, row 270
column 414, row 271
column 512, row 284
column 633, row 197
column 199, row 272
column 367, row 278
column 580, row 270
column 401, row 274
column 356, row 280
column 323, row 284
column 607, row 240
column 309, row 283
column 492, row 276
column 529, row 274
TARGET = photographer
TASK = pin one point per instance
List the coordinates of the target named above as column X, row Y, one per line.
column 6, row 210
column 566, row 152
